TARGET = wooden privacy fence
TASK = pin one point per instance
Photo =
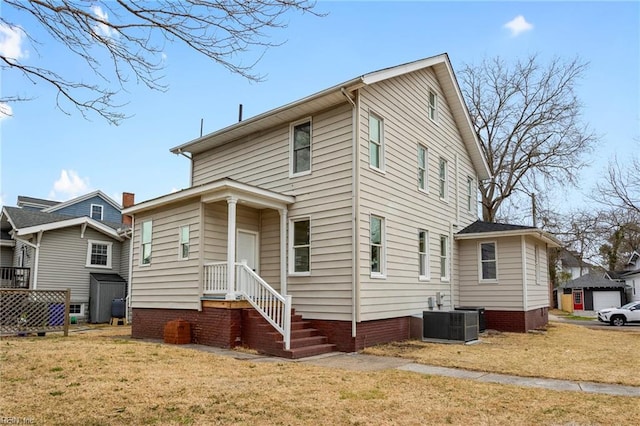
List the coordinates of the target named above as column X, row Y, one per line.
column 34, row 311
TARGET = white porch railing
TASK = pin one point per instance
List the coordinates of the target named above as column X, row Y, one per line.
column 273, row 306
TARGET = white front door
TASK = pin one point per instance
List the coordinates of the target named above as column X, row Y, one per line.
column 247, row 249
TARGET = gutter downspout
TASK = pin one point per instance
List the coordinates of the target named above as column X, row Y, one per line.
column 190, row 165
column 133, row 231
column 355, row 211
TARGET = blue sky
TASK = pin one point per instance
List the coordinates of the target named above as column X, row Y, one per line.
column 48, row 154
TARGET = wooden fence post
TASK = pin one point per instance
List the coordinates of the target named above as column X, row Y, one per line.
column 67, row 302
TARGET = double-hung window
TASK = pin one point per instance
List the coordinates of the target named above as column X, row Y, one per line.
column 300, row 246
column 99, row 254
column 444, row 257
column 423, row 158
column 145, row 242
column 183, row 248
column 432, row 108
column 301, row 147
column 376, row 142
column 443, row 179
column 488, row 261
column 423, row 253
column 377, row 246
column 96, row 211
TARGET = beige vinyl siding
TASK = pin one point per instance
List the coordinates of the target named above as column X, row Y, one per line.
column 125, row 251
column 324, row 195
column 507, row 292
column 168, row 282
column 63, row 258
column 537, row 293
column 402, row 105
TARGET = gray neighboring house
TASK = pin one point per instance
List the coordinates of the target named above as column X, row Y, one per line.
column 595, row 291
column 50, row 245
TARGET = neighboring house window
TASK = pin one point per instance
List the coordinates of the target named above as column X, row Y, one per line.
column 300, row 246
column 145, row 243
column 423, row 253
column 376, row 142
column 76, row 309
column 488, row 261
column 377, row 242
column 96, row 211
column 422, row 168
column 470, row 193
column 301, row 147
column 444, row 257
column 433, row 106
column 443, row 178
column 184, row 242
column 99, row 254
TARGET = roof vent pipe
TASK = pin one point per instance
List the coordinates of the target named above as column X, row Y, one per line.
column 239, row 113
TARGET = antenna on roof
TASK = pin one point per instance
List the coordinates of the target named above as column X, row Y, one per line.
column 201, row 124
column 239, row 113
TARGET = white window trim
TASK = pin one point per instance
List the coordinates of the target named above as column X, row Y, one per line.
column 82, row 310
column 180, row 242
column 537, row 264
column 434, row 119
column 480, row 277
column 145, row 265
column 383, row 243
column 292, row 259
column 427, row 276
column 470, row 195
column 381, row 156
column 291, row 130
column 444, row 197
column 447, row 266
column 101, row 211
column 426, row 169
column 109, row 245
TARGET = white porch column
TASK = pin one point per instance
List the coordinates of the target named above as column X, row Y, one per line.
column 283, row 251
column 231, row 248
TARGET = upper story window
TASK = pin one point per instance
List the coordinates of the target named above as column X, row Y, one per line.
column 488, row 261
column 470, row 193
column 376, row 142
column 183, row 248
column 99, row 254
column 423, row 253
column 96, row 211
column 301, row 147
column 443, row 179
column 377, row 246
column 300, row 245
column 423, row 177
column 444, row 257
column 145, row 242
column 433, row 106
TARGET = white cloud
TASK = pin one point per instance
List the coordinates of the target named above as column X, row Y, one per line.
column 518, row 25
column 103, row 29
column 69, row 185
column 11, row 38
column 5, row 111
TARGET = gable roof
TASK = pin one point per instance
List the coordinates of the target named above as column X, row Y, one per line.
column 593, row 280
column 98, row 193
column 482, row 229
column 340, row 94
column 40, row 203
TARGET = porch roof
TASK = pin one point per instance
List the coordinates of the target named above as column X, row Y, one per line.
column 481, row 229
column 216, row 191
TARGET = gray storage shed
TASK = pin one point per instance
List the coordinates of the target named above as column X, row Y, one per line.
column 103, row 289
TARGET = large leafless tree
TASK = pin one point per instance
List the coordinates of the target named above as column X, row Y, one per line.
column 620, row 186
column 528, row 120
column 124, row 40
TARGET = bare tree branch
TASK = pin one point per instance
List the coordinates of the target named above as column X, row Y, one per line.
column 620, row 188
column 119, row 40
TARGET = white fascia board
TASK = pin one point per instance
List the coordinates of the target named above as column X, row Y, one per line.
column 536, row 233
column 71, row 222
column 5, row 214
column 7, row 243
column 398, row 70
column 271, row 199
column 83, row 198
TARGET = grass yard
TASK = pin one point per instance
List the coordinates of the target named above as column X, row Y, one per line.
column 564, row 351
column 102, row 378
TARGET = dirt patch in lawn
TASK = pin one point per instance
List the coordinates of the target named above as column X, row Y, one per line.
column 104, row 378
column 562, row 351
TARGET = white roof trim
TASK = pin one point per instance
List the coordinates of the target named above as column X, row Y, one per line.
column 71, row 222
column 7, row 243
column 83, row 198
column 536, row 233
column 254, row 194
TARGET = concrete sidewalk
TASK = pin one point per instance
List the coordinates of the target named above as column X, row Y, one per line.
column 362, row 362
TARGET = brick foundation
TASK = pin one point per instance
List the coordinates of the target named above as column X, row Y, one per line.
column 368, row 333
column 517, row 321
